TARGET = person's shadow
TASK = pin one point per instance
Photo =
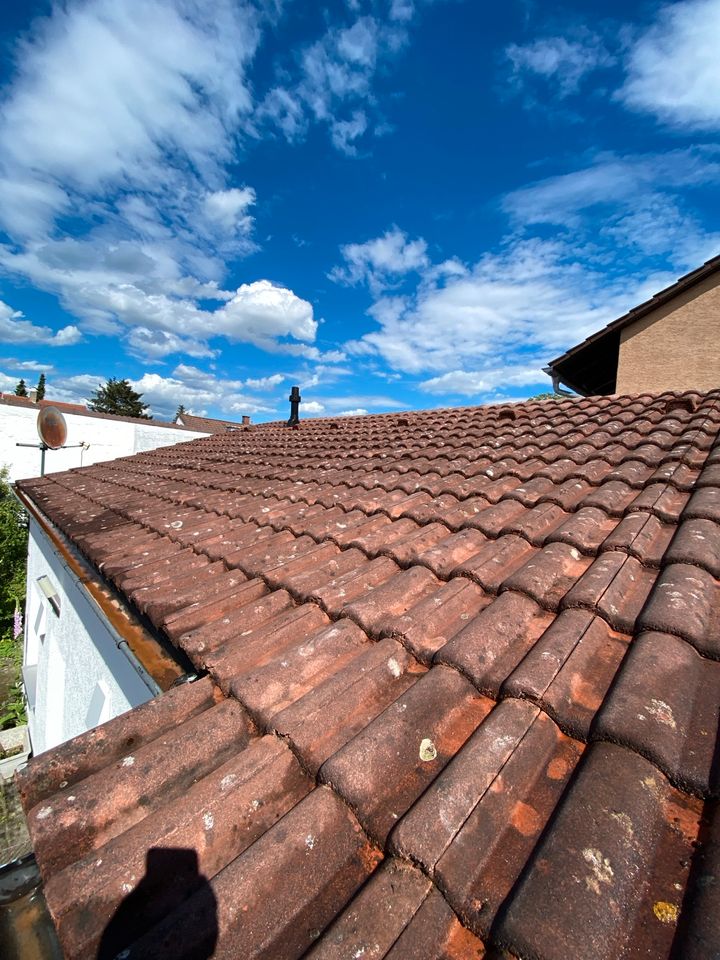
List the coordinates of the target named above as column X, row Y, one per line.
column 171, row 878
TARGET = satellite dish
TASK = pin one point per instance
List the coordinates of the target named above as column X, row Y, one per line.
column 51, row 427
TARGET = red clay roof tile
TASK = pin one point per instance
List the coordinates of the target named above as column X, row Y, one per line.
column 617, row 857
column 432, row 613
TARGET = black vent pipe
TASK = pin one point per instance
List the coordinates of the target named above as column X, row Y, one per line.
column 295, row 400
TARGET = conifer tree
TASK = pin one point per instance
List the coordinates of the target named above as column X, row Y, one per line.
column 119, row 398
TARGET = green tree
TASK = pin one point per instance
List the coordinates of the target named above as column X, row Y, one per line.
column 118, row 397
column 13, row 554
column 13, row 561
column 180, row 411
column 40, row 388
column 21, row 389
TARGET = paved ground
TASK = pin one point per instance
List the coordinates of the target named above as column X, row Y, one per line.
column 14, row 839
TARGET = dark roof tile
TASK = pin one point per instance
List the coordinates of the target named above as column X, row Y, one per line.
column 337, row 593
column 495, row 561
column 665, row 704
column 476, row 825
column 428, row 625
column 258, row 644
column 490, row 647
column 375, row 918
column 642, row 536
column 424, row 611
column 548, row 575
column 704, row 504
column 696, row 542
column 297, row 670
column 570, row 669
column 617, row 857
column 615, row 587
column 218, row 816
column 586, row 530
column 341, row 706
column 320, row 841
column 685, row 602
column 71, row 823
column 378, row 610
column 415, row 737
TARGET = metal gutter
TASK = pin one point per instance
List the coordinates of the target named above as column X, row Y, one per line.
column 155, row 665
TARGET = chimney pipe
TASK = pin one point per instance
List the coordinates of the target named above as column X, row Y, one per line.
column 32, row 396
column 246, row 421
column 295, row 400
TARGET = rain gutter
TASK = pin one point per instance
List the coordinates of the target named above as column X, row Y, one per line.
column 157, row 668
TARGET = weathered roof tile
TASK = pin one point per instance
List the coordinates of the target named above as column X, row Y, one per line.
column 665, row 704
column 450, row 618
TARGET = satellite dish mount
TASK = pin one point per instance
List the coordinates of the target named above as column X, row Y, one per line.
column 52, row 430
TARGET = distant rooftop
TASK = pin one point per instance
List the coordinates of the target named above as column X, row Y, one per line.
column 209, row 424
column 78, row 409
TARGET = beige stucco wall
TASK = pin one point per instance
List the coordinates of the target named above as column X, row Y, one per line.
column 676, row 347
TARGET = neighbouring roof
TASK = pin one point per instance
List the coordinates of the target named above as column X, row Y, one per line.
column 77, row 409
column 209, row 424
column 462, row 697
column 590, row 367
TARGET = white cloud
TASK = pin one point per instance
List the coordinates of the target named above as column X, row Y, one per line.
column 512, row 310
column 312, row 407
column 109, row 94
column 357, row 412
column 7, row 384
column 674, row 67
column 261, row 312
column 15, row 329
column 612, row 180
column 32, row 365
column 344, row 133
column 643, row 201
column 198, row 390
column 476, row 382
column 382, row 261
column 229, row 208
column 563, row 61
column 265, row 383
column 332, row 80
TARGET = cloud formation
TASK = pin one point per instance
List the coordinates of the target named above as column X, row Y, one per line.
column 331, row 81
column 558, row 60
column 382, row 261
column 674, row 67
column 14, row 328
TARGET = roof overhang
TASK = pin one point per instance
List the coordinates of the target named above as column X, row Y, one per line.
column 590, row 367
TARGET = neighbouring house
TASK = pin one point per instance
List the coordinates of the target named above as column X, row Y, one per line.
column 208, row 425
column 92, row 437
column 438, row 685
column 670, row 342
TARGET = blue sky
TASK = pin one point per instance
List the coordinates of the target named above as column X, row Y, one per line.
column 393, row 203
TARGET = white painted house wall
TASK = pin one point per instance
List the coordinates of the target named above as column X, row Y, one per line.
column 75, row 675
column 107, row 439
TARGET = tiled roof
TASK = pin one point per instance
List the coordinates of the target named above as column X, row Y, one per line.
column 77, row 409
column 464, row 678
column 209, row 424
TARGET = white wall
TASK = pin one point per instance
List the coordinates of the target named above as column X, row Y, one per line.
column 107, row 440
column 75, row 676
